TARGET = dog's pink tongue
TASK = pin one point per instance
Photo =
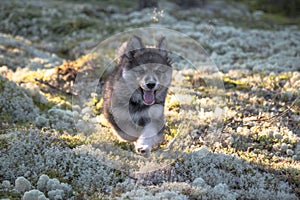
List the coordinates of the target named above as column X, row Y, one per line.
column 148, row 97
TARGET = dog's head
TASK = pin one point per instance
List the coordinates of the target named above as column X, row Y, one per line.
column 146, row 70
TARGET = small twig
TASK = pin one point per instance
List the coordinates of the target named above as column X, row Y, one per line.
column 170, row 144
column 129, row 176
column 280, row 114
column 270, row 119
column 53, row 87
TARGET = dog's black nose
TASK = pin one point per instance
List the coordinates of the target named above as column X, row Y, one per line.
column 150, row 85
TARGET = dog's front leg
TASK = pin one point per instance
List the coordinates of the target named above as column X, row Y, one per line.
column 150, row 137
column 152, row 133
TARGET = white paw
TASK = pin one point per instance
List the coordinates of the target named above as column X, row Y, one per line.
column 143, row 149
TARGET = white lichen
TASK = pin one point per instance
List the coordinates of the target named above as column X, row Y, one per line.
column 34, row 92
column 56, row 194
column 6, row 184
column 15, row 102
column 22, row 184
column 34, row 195
column 42, row 182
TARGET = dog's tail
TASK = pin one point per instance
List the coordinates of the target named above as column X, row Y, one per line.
column 120, row 52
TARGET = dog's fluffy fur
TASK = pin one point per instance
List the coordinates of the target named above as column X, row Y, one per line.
column 135, row 92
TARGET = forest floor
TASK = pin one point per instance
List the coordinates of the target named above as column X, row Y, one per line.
column 233, row 125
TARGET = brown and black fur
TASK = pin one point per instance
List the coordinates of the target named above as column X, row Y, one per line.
column 135, row 92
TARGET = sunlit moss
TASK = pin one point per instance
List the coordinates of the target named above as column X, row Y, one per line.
column 63, row 101
column 72, row 141
column 96, row 104
column 237, row 84
column 173, row 104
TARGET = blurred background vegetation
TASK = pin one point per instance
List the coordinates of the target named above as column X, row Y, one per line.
column 290, row 8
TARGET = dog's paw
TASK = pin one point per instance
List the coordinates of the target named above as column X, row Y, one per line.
column 143, row 149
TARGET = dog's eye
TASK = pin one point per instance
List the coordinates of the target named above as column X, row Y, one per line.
column 138, row 70
column 162, row 69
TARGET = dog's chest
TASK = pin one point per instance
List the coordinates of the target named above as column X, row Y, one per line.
column 139, row 114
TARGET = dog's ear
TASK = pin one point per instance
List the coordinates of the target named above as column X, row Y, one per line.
column 162, row 46
column 134, row 45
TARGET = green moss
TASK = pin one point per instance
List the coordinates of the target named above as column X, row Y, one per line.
column 279, row 19
column 237, row 84
column 72, row 141
column 172, row 128
column 106, row 3
column 124, row 145
column 12, row 195
column 32, row 76
column 43, row 107
column 4, row 144
column 5, row 117
column 24, row 13
column 174, row 106
column 59, row 99
column 284, row 76
column 2, row 85
column 279, row 7
column 55, row 174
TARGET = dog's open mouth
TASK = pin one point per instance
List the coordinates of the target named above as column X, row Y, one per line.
column 148, row 97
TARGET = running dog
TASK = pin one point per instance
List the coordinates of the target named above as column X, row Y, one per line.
column 135, row 93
